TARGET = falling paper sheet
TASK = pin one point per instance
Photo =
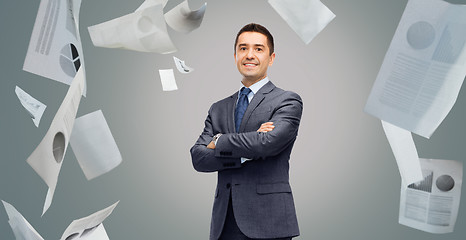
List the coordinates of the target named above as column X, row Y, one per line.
column 88, row 228
column 34, row 107
column 306, row 17
column 144, row 30
column 432, row 204
column 85, row 227
column 182, row 19
column 404, row 150
column 93, row 145
column 55, row 49
column 148, row 3
column 47, row 158
column 181, row 66
column 423, row 69
column 95, row 233
column 168, row 80
column 20, row 226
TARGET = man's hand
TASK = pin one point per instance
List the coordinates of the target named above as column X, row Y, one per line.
column 266, row 127
column 211, row 145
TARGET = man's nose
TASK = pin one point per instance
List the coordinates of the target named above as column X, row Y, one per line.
column 250, row 54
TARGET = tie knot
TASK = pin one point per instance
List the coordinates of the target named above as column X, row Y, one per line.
column 245, row 91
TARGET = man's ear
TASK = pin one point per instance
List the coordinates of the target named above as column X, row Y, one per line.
column 272, row 57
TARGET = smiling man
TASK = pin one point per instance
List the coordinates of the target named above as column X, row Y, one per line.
column 247, row 139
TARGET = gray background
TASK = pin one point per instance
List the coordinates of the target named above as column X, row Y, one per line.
column 344, row 176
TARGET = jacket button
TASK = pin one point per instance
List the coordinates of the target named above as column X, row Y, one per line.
column 228, row 185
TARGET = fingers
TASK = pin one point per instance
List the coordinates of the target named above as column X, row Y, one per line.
column 266, row 127
column 211, row 145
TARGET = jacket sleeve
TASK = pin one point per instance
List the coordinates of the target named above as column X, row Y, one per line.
column 286, row 119
column 203, row 158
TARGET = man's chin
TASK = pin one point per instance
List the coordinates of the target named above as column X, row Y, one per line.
column 249, row 74
column 250, row 77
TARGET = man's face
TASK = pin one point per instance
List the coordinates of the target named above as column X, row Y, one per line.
column 252, row 56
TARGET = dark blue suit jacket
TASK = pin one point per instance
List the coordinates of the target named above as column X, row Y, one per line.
column 261, row 194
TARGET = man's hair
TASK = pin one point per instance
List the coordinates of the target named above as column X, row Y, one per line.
column 254, row 27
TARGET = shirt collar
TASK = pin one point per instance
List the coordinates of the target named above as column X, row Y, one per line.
column 256, row 86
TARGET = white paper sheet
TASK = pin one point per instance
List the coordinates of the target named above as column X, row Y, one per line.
column 88, row 228
column 97, row 233
column 47, row 158
column 181, row 66
column 168, row 80
column 182, row 19
column 93, row 145
column 83, row 228
column 306, row 17
column 55, row 49
column 423, row 69
column 144, row 30
column 432, row 204
column 20, row 226
column 404, row 149
column 33, row 106
column 49, row 195
column 148, row 3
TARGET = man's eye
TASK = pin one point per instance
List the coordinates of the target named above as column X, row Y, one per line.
column 242, row 49
column 259, row 49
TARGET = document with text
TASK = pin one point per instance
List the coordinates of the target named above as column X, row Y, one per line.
column 55, row 49
column 423, row 69
column 432, row 204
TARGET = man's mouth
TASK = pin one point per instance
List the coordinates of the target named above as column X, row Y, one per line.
column 250, row 64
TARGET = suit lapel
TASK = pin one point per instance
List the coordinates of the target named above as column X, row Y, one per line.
column 256, row 100
column 231, row 113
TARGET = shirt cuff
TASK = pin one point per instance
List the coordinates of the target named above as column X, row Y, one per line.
column 216, row 140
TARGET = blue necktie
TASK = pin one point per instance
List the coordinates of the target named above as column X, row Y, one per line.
column 241, row 106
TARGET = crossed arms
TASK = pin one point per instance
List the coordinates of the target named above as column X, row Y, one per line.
column 265, row 127
column 269, row 140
